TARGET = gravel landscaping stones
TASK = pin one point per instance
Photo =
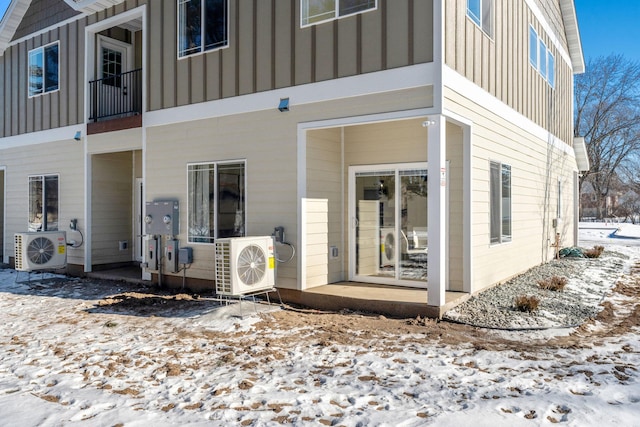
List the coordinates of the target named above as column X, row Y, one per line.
column 588, row 282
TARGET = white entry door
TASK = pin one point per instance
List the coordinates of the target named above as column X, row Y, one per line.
column 114, row 58
column 388, row 233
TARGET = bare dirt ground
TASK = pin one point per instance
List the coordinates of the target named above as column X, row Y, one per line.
column 620, row 314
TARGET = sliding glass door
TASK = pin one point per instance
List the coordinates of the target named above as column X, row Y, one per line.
column 388, row 235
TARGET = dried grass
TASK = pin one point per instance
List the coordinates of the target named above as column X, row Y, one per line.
column 526, row 303
column 594, row 252
column 555, row 283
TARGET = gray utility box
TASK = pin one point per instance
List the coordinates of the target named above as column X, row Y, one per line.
column 162, row 217
column 185, row 255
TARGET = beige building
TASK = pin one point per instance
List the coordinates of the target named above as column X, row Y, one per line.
column 406, row 144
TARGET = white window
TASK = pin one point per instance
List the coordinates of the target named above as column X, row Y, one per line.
column 541, row 58
column 43, row 203
column 551, row 65
column 481, row 12
column 316, row 11
column 44, row 69
column 216, row 201
column 202, row 25
column 533, row 47
column 542, row 64
column 559, row 212
column 500, row 202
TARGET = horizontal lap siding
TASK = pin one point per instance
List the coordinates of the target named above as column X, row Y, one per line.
column 535, row 169
column 325, row 182
column 61, row 158
column 500, row 63
column 268, row 49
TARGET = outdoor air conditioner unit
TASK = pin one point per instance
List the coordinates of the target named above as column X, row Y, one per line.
column 244, row 265
column 45, row 250
column 387, row 246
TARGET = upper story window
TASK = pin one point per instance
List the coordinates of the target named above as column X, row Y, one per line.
column 315, row 11
column 481, row 12
column 541, row 58
column 202, row 25
column 44, row 69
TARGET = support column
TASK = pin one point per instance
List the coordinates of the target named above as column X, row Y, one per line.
column 436, row 212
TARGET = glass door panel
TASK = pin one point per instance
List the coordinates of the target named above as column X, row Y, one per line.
column 413, row 227
column 375, row 245
column 389, row 240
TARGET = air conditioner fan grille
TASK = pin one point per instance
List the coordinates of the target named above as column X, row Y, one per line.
column 40, row 250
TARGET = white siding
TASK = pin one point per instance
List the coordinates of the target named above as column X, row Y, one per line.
column 536, row 167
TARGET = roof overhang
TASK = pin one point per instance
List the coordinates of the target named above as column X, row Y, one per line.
column 91, row 6
column 570, row 20
column 11, row 20
column 582, row 157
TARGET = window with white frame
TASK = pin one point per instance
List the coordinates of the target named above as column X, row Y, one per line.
column 559, row 211
column 217, row 193
column 481, row 12
column 500, row 202
column 44, row 69
column 43, row 203
column 541, row 58
column 316, row 11
column 202, row 25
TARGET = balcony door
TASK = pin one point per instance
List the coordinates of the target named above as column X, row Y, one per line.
column 114, row 59
column 388, row 236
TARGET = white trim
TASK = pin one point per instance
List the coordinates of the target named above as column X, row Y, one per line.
column 114, row 44
column 336, row 16
column 90, row 47
column 202, row 26
column 551, row 34
column 10, row 22
column 467, row 196
column 301, row 206
column 42, row 137
column 88, row 228
column 44, row 91
column 437, row 75
column 379, row 167
column 45, row 30
column 383, row 81
column 91, row 6
column 3, row 194
column 469, row 90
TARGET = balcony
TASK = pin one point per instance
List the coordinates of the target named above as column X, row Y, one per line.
column 115, row 102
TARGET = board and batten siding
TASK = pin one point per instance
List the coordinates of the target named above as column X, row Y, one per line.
column 536, row 167
column 268, row 50
column 20, row 114
column 500, row 64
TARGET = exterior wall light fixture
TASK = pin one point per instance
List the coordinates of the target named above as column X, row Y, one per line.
column 284, row 105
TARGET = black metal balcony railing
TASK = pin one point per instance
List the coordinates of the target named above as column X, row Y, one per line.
column 118, row 95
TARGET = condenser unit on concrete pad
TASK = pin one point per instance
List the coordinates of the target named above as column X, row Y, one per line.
column 45, row 250
column 244, row 265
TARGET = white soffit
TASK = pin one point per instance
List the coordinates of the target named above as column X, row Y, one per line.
column 582, row 157
column 570, row 21
column 10, row 21
column 91, row 6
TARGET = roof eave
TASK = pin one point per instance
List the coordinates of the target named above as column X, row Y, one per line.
column 570, row 20
column 10, row 22
column 91, row 6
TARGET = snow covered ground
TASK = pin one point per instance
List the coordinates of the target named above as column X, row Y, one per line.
column 81, row 353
